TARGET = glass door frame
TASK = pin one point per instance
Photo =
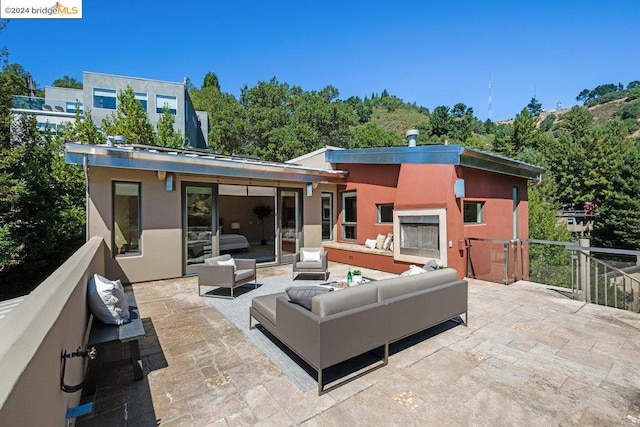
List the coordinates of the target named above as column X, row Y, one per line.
column 188, row 270
column 298, row 242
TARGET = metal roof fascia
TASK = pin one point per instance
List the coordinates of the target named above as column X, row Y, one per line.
column 490, row 162
column 131, row 159
column 427, row 154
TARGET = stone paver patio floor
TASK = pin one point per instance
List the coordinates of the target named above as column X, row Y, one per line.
column 529, row 356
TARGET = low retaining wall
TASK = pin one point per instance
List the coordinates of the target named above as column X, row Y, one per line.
column 360, row 256
column 51, row 319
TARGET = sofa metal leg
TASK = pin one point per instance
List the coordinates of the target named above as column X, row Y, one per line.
column 385, row 361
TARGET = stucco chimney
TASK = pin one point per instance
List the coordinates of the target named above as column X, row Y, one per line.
column 412, row 135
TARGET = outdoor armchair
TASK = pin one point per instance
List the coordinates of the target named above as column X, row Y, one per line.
column 226, row 272
column 311, row 261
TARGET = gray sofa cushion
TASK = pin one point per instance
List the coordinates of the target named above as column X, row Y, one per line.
column 396, row 286
column 266, row 305
column 302, row 295
column 344, row 299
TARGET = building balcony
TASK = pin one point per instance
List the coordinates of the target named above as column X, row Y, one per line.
column 529, row 356
column 46, row 105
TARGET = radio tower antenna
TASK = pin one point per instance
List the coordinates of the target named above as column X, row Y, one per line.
column 490, row 101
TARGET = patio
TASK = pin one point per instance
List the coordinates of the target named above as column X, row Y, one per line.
column 529, row 356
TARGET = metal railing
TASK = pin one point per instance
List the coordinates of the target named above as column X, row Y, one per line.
column 609, row 277
column 35, row 103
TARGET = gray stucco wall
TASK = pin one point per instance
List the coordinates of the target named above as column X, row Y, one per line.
column 185, row 119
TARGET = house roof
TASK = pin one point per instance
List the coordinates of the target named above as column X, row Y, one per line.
column 436, row 154
column 142, row 157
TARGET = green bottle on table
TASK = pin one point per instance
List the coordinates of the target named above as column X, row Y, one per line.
column 349, row 278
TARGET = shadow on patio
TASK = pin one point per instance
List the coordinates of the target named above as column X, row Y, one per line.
column 529, row 356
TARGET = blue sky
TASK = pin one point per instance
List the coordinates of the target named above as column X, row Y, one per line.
column 431, row 54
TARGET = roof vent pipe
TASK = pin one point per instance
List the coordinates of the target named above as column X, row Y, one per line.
column 412, row 135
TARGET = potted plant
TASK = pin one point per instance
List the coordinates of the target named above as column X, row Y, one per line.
column 357, row 276
column 262, row 211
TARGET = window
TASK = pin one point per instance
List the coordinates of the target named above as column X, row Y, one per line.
column 104, row 98
column 170, row 101
column 420, row 235
column 385, row 213
column 327, row 216
column 473, row 212
column 126, row 218
column 349, row 215
column 71, row 106
column 142, row 99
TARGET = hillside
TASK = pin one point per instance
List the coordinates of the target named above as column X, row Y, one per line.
column 399, row 120
column 626, row 108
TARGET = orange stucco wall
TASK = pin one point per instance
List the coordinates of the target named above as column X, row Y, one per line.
column 420, row 186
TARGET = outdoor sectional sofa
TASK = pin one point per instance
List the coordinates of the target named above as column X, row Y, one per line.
column 346, row 323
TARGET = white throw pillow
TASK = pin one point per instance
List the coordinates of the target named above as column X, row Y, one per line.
column 387, row 241
column 310, row 255
column 413, row 270
column 229, row 262
column 107, row 300
column 370, row 243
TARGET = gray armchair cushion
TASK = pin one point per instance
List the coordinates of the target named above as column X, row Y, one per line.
column 302, row 295
column 309, row 264
column 243, row 274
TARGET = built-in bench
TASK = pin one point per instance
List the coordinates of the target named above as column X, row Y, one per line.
column 356, row 254
column 102, row 335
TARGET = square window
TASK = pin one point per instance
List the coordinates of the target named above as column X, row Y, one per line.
column 104, row 98
column 473, row 212
column 170, row 101
column 385, row 213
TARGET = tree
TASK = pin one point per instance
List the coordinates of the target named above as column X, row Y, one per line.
column 547, row 124
column 167, row 136
column 548, row 263
column 67, row 81
column 618, row 221
column 461, row 122
column 440, row 121
column 211, row 80
column 362, row 108
column 583, row 96
column 576, row 121
column 525, row 132
column 130, row 120
column 41, row 204
column 372, row 135
column 83, row 129
column 535, row 107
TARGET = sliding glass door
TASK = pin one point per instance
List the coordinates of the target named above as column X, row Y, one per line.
column 199, row 216
column 289, row 223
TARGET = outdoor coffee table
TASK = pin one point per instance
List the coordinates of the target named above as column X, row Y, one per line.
column 342, row 284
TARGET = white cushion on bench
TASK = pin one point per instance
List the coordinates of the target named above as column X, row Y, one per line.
column 107, row 300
